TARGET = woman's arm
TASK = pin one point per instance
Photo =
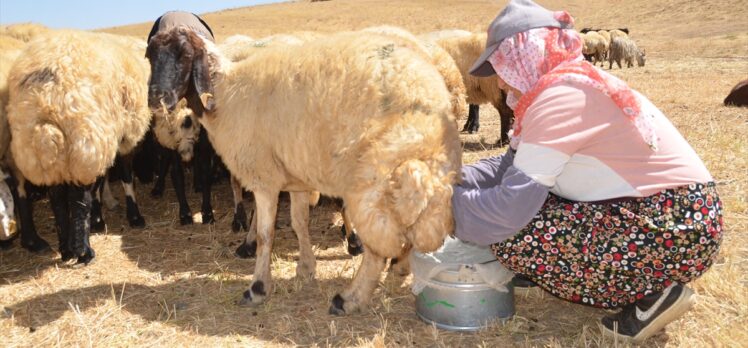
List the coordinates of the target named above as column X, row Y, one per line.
column 486, row 216
column 487, row 172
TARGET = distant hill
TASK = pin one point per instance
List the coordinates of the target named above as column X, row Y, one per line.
column 664, row 27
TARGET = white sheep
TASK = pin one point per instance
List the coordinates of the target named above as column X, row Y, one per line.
column 623, row 48
column 465, row 50
column 77, row 101
column 364, row 117
column 614, row 33
column 595, row 47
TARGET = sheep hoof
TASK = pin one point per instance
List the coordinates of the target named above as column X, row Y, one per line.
column 208, row 218
column 336, row 308
column 354, row 245
column 473, row 128
column 246, row 251
column 185, row 219
column 253, row 296
column 87, row 257
column 67, row 255
column 137, row 221
column 36, row 245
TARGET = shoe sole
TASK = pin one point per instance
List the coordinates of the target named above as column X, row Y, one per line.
column 676, row 310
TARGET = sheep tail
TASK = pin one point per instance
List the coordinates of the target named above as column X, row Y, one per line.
column 48, row 142
column 423, row 204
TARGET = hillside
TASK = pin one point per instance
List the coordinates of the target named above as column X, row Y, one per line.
column 669, row 27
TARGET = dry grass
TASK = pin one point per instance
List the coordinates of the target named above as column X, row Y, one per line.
column 176, row 286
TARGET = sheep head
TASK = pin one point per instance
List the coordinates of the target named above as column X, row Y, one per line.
column 180, row 68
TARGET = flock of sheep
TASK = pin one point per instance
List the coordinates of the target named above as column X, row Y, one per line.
column 612, row 45
column 367, row 116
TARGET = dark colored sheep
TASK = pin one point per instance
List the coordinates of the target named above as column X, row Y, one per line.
column 738, row 95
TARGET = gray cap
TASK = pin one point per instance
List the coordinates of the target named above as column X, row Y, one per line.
column 517, row 16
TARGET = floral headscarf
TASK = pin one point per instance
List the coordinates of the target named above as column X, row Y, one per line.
column 533, row 60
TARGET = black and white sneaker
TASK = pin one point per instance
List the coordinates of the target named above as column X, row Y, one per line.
column 640, row 320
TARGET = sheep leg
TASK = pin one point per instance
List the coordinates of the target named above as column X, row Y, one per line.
column 300, row 224
column 506, row 116
column 248, row 248
column 240, row 216
column 473, row 122
column 361, row 289
column 177, row 180
column 79, row 203
column 30, row 239
column 133, row 213
column 163, row 168
column 97, row 220
column 355, row 247
column 106, row 196
column 58, row 198
column 206, row 156
column 267, row 206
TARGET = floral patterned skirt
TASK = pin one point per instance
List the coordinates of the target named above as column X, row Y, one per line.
column 611, row 254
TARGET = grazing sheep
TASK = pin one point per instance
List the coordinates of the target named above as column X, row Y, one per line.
column 365, row 118
column 594, row 47
column 738, row 95
column 617, row 33
column 77, row 101
column 606, row 35
column 465, row 50
column 623, row 48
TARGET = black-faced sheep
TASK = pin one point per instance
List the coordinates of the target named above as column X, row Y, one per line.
column 623, row 48
column 181, row 136
column 77, row 101
column 366, row 118
column 465, row 50
column 738, row 95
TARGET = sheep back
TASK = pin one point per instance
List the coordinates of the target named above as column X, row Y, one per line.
column 76, row 99
column 443, row 62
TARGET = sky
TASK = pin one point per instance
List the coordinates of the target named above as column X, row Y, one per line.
column 93, row 14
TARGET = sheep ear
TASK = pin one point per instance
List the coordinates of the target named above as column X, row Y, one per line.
column 201, row 79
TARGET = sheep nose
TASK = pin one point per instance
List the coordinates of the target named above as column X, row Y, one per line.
column 156, row 98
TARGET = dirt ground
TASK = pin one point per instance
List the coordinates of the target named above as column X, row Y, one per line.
column 172, row 285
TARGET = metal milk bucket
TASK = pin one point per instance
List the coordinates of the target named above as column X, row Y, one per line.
column 461, row 287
